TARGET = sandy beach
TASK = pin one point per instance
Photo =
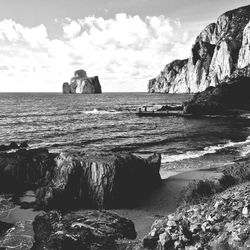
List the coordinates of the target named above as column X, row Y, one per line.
column 162, row 201
column 157, row 204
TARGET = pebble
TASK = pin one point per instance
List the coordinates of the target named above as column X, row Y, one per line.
column 245, row 211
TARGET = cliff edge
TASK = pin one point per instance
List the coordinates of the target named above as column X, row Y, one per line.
column 219, row 50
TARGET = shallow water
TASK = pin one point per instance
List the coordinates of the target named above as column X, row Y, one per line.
column 107, row 122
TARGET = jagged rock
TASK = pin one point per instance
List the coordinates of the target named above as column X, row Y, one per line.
column 220, row 49
column 201, row 227
column 4, row 226
column 24, row 168
column 20, row 236
column 244, row 55
column 174, row 72
column 65, row 180
column 99, row 180
column 170, row 108
column 66, row 88
column 89, row 230
column 12, row 145
column 221, row 99
column 82, row 84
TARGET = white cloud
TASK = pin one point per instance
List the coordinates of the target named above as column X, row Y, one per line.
column 125, row 52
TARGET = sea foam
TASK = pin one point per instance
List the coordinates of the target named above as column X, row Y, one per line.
column 208, row 150
column 100, row 112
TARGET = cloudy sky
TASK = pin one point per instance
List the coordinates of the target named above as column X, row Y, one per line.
column 124, row 42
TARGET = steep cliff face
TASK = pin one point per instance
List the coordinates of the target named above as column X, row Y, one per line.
column 82, row 84
column 219, row 50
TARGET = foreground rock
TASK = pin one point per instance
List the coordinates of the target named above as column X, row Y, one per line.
column 13, row 146
column 82, row 84
column 235, row 94
column 68, row 180
column 99, row 181
column 219, row 50
column 222, row 223
column 20, row 236
column 25, row 169
column 87, row 230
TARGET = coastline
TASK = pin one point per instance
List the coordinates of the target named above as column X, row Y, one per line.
column 163, row 200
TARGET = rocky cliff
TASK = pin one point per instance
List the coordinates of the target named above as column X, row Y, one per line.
column 224, row 99
column 219, row 50
column 82, row 84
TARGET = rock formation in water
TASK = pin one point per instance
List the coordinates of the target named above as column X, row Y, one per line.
column 87, row 230
column 220, row 49
column 99, row 181
column 82, row 84
column 222, row 99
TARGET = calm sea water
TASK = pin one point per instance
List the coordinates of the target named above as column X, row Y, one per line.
column 107, row 122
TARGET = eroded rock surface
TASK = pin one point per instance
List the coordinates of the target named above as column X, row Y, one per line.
column 222, row 223
column 82, row 84
column 24, row 169
column 235, row 94
column 99, row 180
column 219, row 50
column 89, row 230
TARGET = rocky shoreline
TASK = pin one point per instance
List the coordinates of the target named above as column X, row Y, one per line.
column 190, row 227
column 70, row 182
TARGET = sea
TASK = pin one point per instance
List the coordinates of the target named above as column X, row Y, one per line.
column 108, row 123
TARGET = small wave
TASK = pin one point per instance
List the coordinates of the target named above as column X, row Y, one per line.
column 245, row 151
column 205, row 151
column 245, row 116
column 101, row 112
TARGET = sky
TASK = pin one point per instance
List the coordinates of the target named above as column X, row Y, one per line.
column 124, row 42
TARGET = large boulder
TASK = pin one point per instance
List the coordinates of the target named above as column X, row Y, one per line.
column 219, row 50
column 82, row 84
column 66, row 88
column 99, row 180
column 25, row 169
column 235, row 94
column 84, row 180
column 89, row 230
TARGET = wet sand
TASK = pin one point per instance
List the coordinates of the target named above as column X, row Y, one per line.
column 159, row 203
column 162, row 201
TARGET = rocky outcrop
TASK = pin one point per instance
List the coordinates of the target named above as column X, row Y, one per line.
column 220, row 223
column 171, row 79
column 219, row 50
column 19, row 236
column 99, row 181
column 89, row 230
column 82, row 84
column 25, row 169
column 14, row 146
column 244, row 55
column 66, row 180
column 221, row 99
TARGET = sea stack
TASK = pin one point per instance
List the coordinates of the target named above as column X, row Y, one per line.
column 219, row 51
column 82, row 84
